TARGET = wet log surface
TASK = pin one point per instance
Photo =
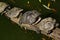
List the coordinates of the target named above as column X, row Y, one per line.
column 56, row 34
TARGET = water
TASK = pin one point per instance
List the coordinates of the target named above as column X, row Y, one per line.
column 11, row 31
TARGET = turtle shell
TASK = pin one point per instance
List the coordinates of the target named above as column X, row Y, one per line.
column 29, row 17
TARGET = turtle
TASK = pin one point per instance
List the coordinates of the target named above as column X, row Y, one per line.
column 30, row 17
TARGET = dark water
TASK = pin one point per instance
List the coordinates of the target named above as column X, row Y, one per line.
column 11, row 31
